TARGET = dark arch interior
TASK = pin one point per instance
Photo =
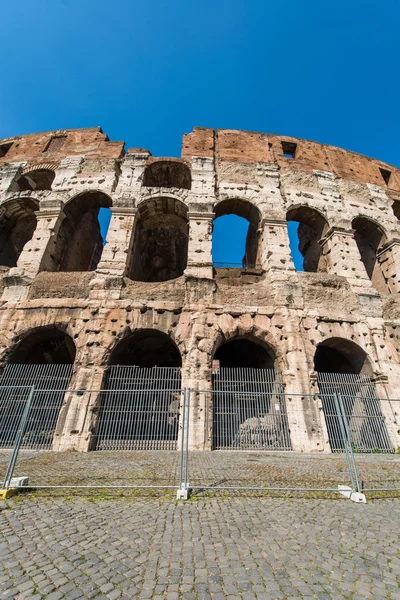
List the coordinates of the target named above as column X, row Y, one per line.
column 167, row 173
column 47, row 345
column 311, row 229
column 147, row 348
column 17, row 226
column 340, row 356
column 243, row 353
column 161, row 238
column 39, row 179
column 79, row 243
column 369, row 237
column 245, row 210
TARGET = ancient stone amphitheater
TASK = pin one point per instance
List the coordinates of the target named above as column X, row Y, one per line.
column 149, row 308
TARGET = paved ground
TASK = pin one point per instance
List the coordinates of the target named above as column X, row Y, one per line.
column 235, row 548
column 112, row 543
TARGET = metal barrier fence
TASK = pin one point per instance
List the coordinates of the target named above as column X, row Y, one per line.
column 148, row 421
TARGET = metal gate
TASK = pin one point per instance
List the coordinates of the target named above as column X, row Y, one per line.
column 249, row 410
column 50, row 383
column 360, row 405
column 139, row 409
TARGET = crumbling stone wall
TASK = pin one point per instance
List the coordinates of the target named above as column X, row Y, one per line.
column 155, row 272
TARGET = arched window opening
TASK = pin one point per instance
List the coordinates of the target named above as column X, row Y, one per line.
column 338, row 355
column 37, row 179
column 140, row 404
column 147, row 348
column 305, row 233
column 243, row 353
column 347, row 390
column 79, row 243
column 235, row 234
column 369, row 238
column 171, row 173
column 249, row 409
column 40, row 367
column 396, row 210
column 160, row 243
column 45, row 346
column 17, row 226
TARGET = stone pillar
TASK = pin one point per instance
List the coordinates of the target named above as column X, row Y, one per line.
column 343, row 257
column 115, row 257
column 200, row 245
column 388, row 257
column 8, row 174
column 78, row 414
column 275, row 249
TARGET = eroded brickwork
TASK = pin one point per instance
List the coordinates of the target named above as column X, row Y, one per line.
column 156, row 273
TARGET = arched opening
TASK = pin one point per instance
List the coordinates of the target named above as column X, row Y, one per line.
column 249, row 409
column 171, row 173
column 307, row 229
column 160, row 242
column 36, row 179
column 79, row 243
column 17, row 226
column 40, row 368
column 348, row 392
column 369, row 237
column 140, row 402
column 235, row 238
column 44, row 346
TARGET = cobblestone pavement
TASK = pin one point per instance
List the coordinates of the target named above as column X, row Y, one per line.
column 234, row 548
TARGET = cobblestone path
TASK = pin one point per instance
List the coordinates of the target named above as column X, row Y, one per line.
column 218, row 547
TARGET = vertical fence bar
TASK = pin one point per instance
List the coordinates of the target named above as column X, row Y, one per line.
column 344, row 421
column 187, row 440
column 14, row 455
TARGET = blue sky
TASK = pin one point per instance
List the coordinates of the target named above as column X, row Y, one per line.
column 147, row 72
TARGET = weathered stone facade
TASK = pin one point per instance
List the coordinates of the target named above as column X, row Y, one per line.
column 155, row 272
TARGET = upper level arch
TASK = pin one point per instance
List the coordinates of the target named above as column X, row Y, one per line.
column 248, row 211
column 39, row 177
column 370, row 236
column 160, row 240
column 313, row 225
column 167, row 173
column 44, row 345
column 17, row 226
column 79, row 243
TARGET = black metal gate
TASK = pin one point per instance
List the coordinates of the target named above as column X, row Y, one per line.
column 139, row 409
column 249, row 410
column 50, row 383
column 361, row 406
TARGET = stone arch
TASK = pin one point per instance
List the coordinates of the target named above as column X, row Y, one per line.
column 145, row 347
column 160, row 240
column 247, row 210
column 17, row 226
column 38, row 177
column 167, row 173
column 370, row 237
column 313, row 225
column 340, row 355
column 43, row 345
column 79, row 244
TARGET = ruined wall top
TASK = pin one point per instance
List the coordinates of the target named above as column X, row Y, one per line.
column 229, row 145
column 54, row 146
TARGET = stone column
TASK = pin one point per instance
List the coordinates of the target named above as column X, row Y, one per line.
column 200, row 245
column 115, row 257
column 343, row 257
column 390, row 407
column 388, row 257
column 78, row 414
column 37, row 253
column 274, row 244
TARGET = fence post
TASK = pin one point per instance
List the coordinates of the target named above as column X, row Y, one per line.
column 183, row 491
column 353, row 493
column 18, row 440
